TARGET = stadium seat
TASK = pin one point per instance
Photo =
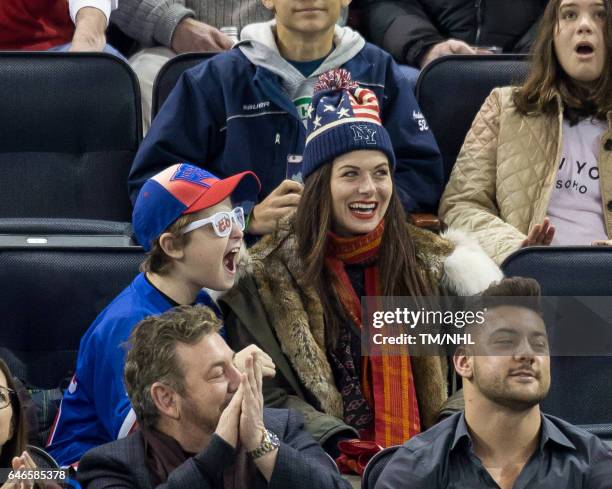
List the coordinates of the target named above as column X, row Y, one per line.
column 375, row 467
column 451, row 90
column 42, row 459
column 564, row 270
column 170, row 73
column 580, row 391
column 71, row 125
column 49, row 299
column 31, row 232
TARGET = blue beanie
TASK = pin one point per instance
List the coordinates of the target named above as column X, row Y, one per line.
column 343, row 117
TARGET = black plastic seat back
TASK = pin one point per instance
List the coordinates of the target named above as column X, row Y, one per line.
column 170, row 73
column 451, row 90
column 70, row 125
column 580, row 391
column 50, row 297
column 564, row 270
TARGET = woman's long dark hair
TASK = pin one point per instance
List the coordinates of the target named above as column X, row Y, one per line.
column 15, row 446
column 548, row 78
column 400, row 271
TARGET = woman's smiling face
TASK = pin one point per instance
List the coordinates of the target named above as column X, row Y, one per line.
column 361, row 188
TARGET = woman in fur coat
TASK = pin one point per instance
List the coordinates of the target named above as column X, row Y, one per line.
column 300, row 301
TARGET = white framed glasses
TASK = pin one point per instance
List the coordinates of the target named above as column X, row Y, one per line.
column 221, row 222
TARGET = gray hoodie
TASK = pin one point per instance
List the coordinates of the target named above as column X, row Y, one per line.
column 258, row 44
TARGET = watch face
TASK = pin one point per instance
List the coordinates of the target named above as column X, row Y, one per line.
column 269, row 442
column 273, row 438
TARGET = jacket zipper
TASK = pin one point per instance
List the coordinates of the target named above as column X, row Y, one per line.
column 479, row 14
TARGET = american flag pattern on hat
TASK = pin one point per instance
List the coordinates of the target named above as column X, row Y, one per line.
column 343, row 117
column 340, row 100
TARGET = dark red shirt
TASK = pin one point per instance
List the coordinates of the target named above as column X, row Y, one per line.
column 34, row 24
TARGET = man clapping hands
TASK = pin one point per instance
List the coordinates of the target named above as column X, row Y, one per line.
column 202, row 421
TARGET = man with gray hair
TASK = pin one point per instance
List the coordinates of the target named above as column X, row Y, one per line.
column 202, row 422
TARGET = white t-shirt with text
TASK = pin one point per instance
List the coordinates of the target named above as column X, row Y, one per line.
column 575, row 207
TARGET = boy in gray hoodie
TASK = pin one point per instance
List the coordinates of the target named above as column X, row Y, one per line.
column 244, row 110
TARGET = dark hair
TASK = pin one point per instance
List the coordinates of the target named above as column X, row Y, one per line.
column 15, row 446
column 157, row 261
column 152, row 356
column 514, row 291
column 547, row 78
column 397, row 261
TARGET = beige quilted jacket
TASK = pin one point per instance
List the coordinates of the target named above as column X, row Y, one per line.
column 502, row 181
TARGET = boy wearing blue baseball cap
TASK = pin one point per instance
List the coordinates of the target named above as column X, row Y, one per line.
column 191, row 224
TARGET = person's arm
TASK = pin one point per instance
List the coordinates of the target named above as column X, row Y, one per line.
column 187, row 128
column 419, row 175
column 282, row 201
column 169, row 23
column 278, row 394
column 112, row 405
column 104, row 6
column 301, row 462
column 150, row 22
column 410, row 469
column 469, row 201
column 90, row 30
column 192, row 35
column 403, row 28
column 599, row 475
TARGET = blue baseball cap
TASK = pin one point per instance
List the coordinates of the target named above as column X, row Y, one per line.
column 182, row 189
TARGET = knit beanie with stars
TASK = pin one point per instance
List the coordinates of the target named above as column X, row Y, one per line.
column 343, row 117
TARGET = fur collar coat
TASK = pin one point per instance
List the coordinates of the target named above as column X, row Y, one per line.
column 454, row 263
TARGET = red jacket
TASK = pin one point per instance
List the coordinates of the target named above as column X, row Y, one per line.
column 34, row 24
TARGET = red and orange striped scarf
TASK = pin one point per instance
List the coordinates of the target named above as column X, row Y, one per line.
column 386, row 380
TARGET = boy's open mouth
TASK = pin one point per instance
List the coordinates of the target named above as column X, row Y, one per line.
column 229, row 259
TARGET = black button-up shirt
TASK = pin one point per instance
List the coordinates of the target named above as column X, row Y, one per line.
column 442, row 458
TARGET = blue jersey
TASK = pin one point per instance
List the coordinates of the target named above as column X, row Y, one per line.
column 95, row 408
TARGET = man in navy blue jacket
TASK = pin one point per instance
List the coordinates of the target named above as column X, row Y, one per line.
column 244, row 110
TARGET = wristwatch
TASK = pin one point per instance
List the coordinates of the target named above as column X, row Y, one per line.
column 269, row 442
